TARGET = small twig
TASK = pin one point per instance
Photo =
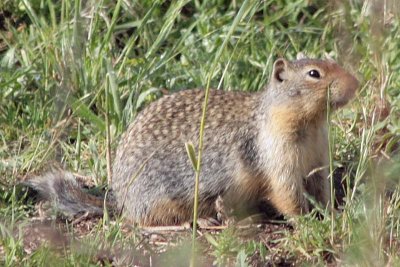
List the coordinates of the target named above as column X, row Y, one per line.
column 314, row 171
column 81, row 218
column 214, row 227
column 385, row 155
column 174, row 228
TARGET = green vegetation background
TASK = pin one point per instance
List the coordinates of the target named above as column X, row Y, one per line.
column 73, row 74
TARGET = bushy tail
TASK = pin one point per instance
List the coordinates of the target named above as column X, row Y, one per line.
column 66, row 195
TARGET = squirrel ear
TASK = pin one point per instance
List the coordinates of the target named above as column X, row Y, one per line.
column 328, row 56
column 280, row 69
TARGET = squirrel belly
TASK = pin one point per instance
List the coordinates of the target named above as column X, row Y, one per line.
column 265, row 147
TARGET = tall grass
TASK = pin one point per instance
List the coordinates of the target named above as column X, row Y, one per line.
column 75, row 73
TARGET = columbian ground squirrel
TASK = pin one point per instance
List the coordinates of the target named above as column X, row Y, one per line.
column 265, row 148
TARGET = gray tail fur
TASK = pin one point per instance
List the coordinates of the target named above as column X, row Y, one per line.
column 66, row 195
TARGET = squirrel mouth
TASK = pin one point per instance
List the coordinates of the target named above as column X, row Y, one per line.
column 340, row 99
column 338, row 104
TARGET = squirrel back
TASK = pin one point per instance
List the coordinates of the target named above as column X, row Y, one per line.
column 264, row 148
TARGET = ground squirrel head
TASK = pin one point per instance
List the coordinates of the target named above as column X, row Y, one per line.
column 304, row 85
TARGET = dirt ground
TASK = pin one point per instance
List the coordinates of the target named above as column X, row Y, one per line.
column 154, row 246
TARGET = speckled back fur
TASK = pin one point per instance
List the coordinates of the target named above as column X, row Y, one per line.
column 152, row 155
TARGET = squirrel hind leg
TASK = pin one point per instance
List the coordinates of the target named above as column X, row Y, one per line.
column 168, row 211
column 164, row 212
column 66, row 196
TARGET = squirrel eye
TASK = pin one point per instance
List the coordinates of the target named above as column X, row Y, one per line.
column 314, row 74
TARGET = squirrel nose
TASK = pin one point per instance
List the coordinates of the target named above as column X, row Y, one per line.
column 352, row 86
column 353, row 83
